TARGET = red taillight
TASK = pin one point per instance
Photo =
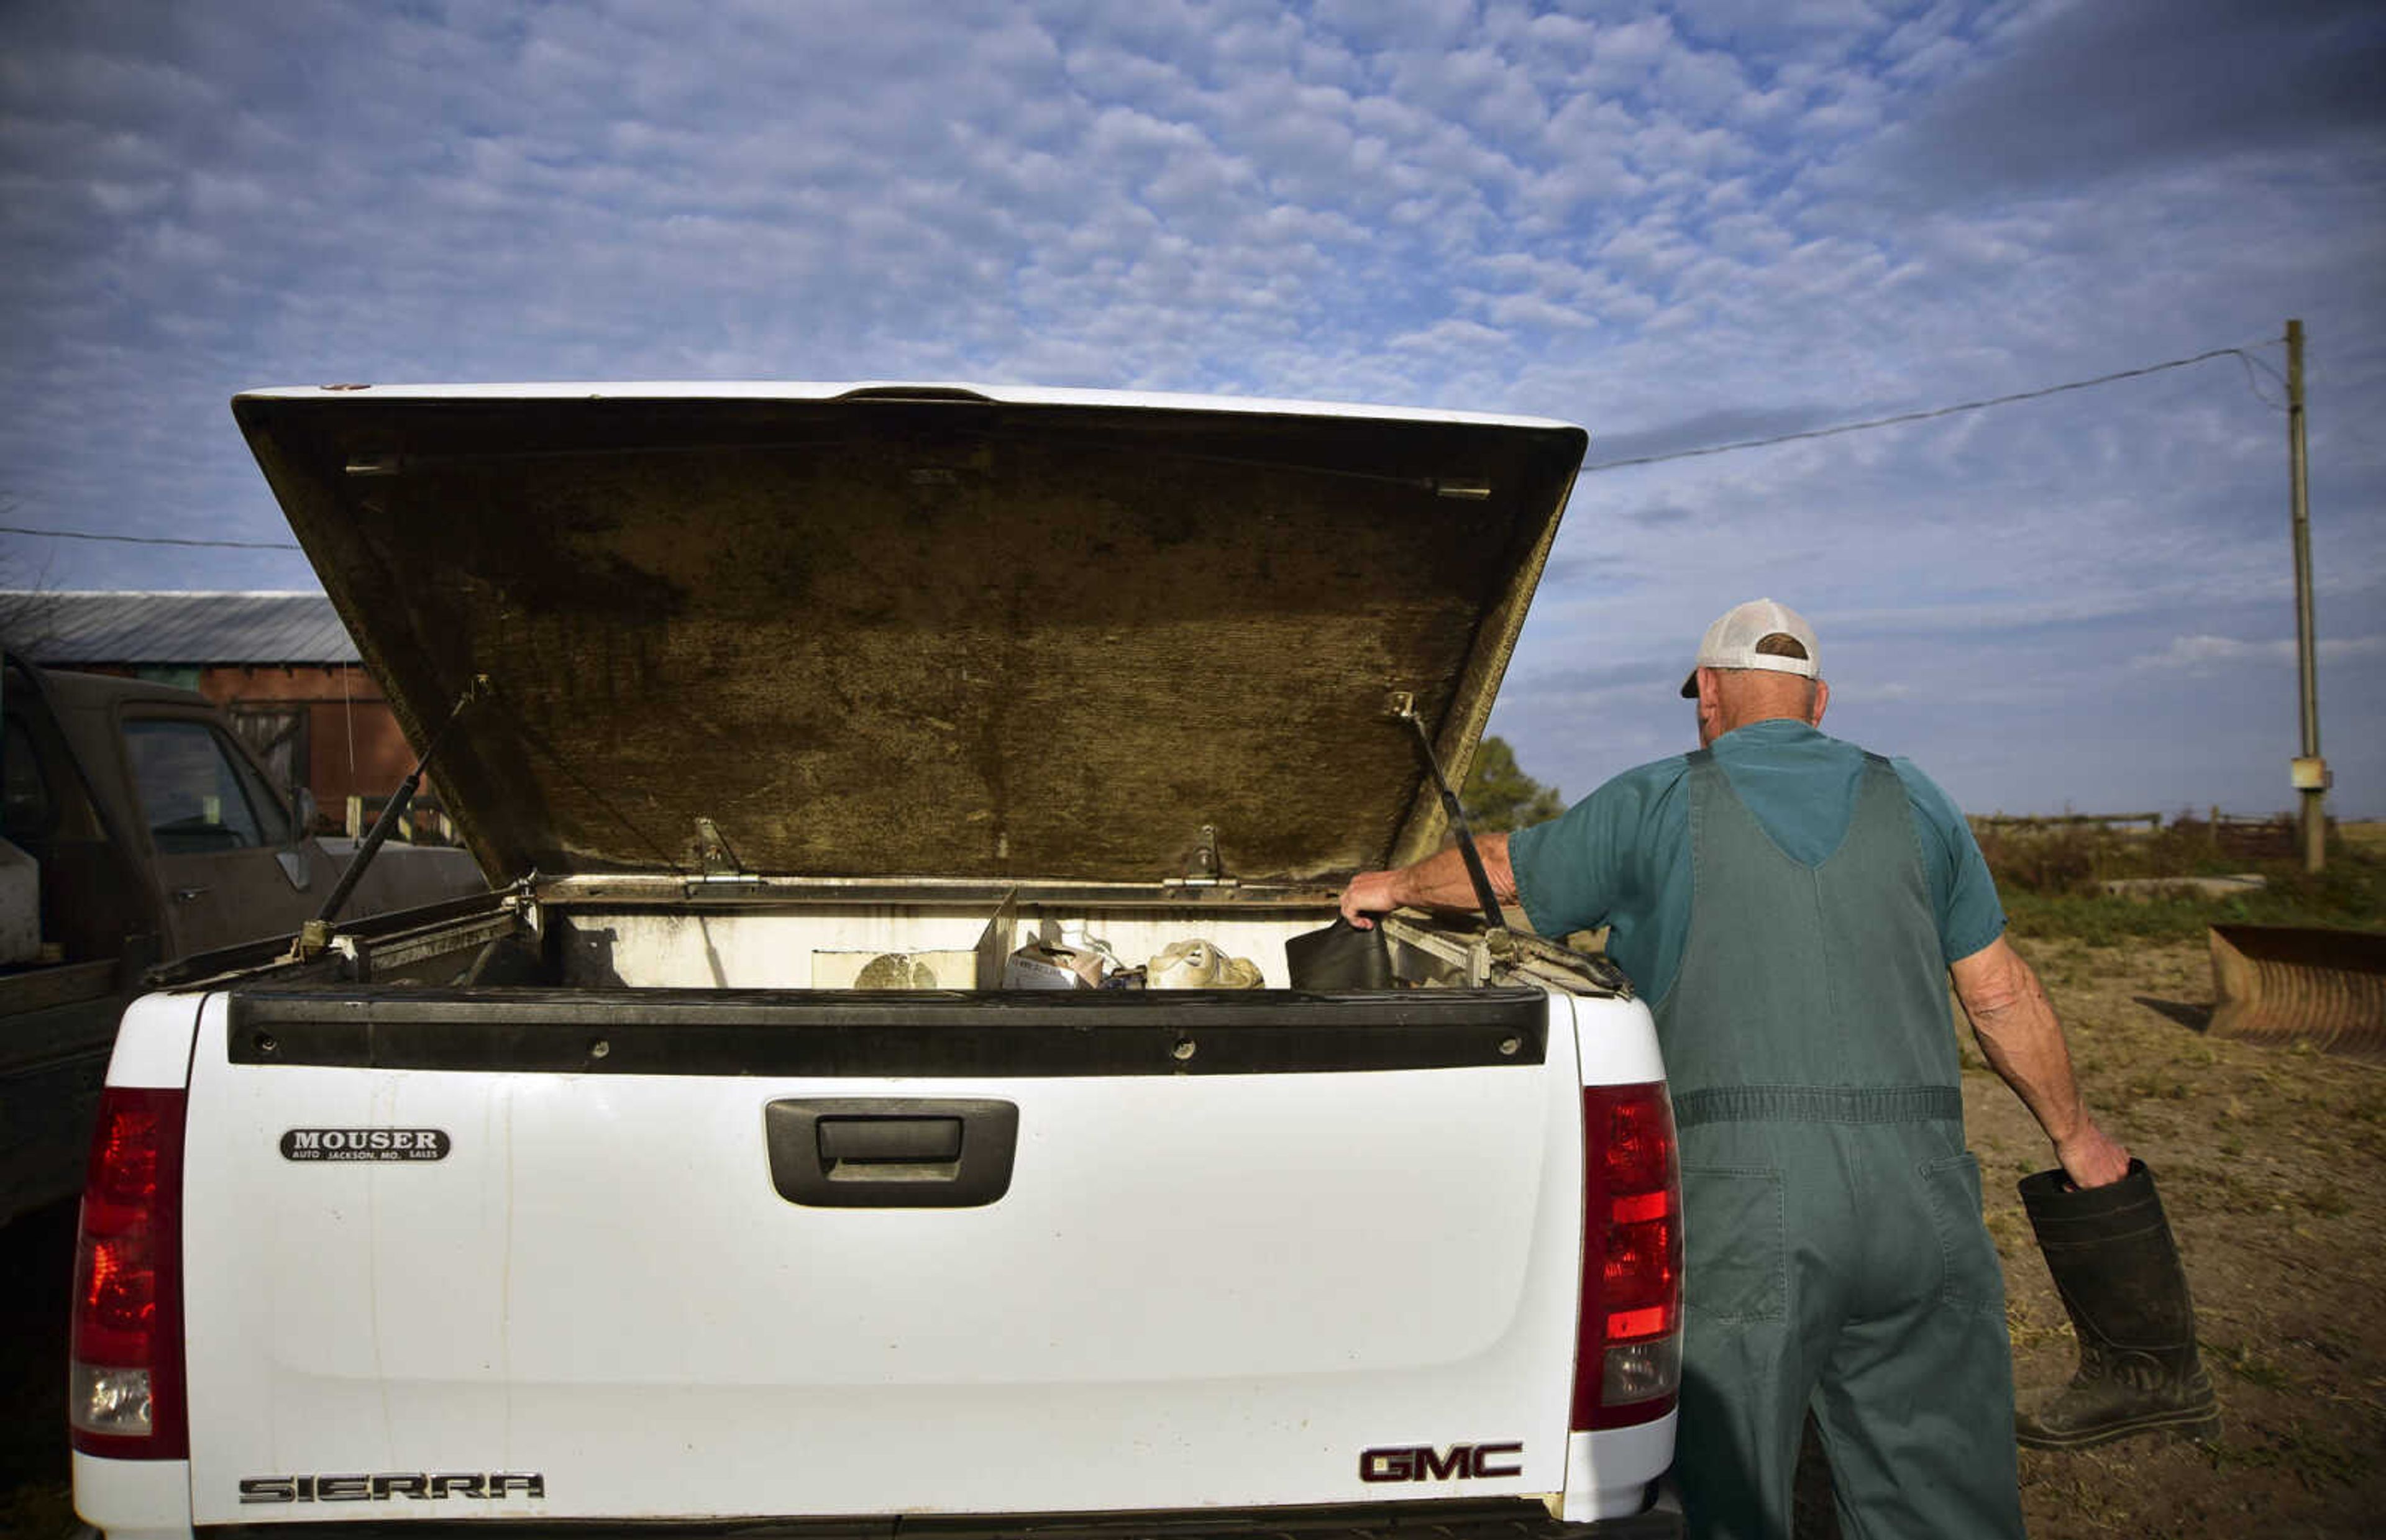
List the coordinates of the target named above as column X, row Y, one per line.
column 125, row 1385
column 1627, row 1363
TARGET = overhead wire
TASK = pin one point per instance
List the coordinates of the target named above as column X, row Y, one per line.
column 2244, row 355
column 2251, row 357
column 1923, row 415
column 152, row 539
column 2254, row 385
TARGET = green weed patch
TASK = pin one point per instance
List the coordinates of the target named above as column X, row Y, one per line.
column 2051, row 882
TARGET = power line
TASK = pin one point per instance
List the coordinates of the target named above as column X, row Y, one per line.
column 2253, row 383
column 1916, row 417
column 153, row 539
column 2252, row 358
column 2241, row 355
column 2255, row 359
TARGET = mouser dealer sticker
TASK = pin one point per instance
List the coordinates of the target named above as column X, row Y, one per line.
column 365, row 1144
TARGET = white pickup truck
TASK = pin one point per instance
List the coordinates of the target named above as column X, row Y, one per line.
column 631, row 1199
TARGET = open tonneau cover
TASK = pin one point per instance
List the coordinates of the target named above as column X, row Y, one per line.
column 922, row 629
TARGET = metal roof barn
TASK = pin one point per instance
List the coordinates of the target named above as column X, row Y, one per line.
column 281, row 664
column 134, row 627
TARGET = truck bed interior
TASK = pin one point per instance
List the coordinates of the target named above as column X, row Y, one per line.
column 561, row 941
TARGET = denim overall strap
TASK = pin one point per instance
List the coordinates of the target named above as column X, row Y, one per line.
column 1808, row 990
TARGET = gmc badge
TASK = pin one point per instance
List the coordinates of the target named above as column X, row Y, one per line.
column 1423, row 1462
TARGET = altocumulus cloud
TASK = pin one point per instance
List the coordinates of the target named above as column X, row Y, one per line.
column 1676, row 221
column 2198, row 654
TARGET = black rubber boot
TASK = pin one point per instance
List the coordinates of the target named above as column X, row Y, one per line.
column 2116, row 1266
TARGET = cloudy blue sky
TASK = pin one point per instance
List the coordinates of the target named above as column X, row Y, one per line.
column 1679, row 224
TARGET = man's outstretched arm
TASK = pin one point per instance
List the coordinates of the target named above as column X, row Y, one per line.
column 1439, row 881
column 2018, row 1032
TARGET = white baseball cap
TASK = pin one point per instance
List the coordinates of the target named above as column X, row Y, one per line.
column 1730, row 643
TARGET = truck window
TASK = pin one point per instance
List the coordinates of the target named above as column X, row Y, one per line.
column 198, row 795
column 26, row 810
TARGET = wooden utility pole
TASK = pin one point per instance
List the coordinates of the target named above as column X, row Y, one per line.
column 2310, row 771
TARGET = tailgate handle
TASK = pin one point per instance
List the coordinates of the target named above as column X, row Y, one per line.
column 891, row 1152
column 875, row 1141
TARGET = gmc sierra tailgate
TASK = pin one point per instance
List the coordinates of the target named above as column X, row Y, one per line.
column 690, row 1254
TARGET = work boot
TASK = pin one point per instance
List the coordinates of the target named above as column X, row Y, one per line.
column 2117, row 1268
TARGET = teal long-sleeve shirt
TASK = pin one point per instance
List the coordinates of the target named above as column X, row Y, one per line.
column 1621, row 856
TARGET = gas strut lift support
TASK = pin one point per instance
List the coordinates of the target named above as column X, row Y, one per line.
column 317, row 934
column 1404, row 707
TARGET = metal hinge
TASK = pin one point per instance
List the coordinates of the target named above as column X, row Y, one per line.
column 1205, row 868
column 723, row 874
column 713, row 852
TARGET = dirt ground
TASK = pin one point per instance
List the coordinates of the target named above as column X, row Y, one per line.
column 2272, row 1166
column 2271, row 1162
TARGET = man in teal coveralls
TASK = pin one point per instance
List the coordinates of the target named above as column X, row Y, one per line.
column 1792, row 907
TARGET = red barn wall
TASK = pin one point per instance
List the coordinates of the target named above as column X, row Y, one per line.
column 353, row 745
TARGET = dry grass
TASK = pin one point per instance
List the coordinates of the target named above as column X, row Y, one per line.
column 2368, row 836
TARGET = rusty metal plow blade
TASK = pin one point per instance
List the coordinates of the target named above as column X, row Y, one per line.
column 2283, row 983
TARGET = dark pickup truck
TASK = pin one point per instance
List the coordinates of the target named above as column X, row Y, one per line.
column 138, row 830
